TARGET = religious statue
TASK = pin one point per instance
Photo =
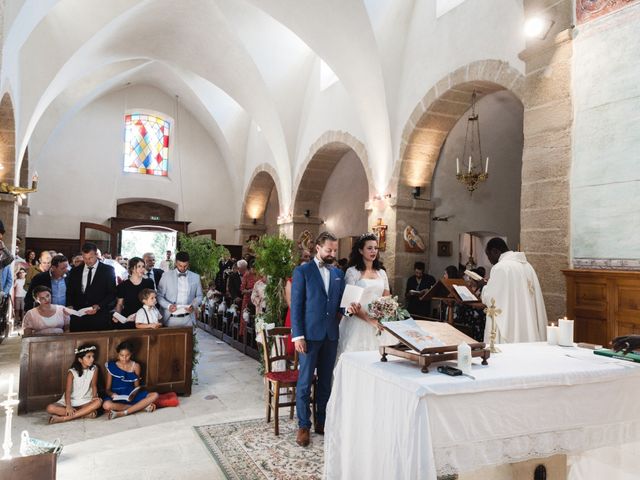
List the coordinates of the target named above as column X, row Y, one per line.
column 380, row 230
column 17, row 190
column 412, row 240
column 306, row 241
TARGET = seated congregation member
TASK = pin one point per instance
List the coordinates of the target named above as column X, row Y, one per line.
column 514, row 288
column 122, row 378
column 148, row 315
column 46, row 318
column 43, row 265
column 80, row 398
column 452, row 272
column 92, row 284
column 180, row 288
column 128, row 293
column 417, row 285
column 152, row 273
column 55, row 279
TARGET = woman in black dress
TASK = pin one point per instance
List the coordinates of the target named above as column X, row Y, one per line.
column 127, row 293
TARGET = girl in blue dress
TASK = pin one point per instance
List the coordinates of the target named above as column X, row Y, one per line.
column 123, row 377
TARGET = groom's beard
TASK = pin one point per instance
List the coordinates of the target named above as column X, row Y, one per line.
column 328, row 260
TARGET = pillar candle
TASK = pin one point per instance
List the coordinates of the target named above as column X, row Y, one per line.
column 457, row 166
column 552, row 334
column 565, row 333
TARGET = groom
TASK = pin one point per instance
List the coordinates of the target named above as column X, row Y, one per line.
column 316, row 291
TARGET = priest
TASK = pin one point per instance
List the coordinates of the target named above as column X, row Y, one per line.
column 514, row 293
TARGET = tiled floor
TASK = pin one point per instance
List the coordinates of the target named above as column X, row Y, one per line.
column 150, row 446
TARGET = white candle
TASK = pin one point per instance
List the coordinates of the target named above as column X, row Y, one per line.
column 552, row 334
column 486, row 167
column 469, row 164
column 457, row 166
column 565, row 334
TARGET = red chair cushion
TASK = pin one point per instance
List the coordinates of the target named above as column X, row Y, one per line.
column 169, row 399
column 288, row 376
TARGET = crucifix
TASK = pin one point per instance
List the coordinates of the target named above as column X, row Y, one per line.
column 492, row 312
column 380, row 229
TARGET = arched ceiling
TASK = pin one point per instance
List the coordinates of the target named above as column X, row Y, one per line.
column 232, row 63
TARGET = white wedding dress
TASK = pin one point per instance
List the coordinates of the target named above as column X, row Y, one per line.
column 356, row 335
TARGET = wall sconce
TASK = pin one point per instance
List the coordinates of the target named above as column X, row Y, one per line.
column 538, row 27
column 20, row 191
column 254, row 221
column 415, row 192
column 307, row 213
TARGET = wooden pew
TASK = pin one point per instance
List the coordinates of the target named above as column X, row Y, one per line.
column 165, row 356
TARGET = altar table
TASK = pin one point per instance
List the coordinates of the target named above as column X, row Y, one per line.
column 390, row 421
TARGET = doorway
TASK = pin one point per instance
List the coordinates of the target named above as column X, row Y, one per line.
column 136, row 241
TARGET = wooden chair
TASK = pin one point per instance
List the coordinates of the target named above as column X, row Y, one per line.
column 274, row 350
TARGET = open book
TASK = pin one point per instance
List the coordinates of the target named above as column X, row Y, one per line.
column 127, row 398
column 78, row 313
column 121, row 318
column 181, row 309
column 464, row 293
column 473, row 275
column 352, row 294
column 412, row 335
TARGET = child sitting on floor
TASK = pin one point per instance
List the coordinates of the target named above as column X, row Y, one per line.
column 124, row 395
column 80, row 397
column 148, row 316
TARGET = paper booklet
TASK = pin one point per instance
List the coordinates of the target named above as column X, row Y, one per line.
column 415, row 292
column 352, row 294
column 412, row 335
column 473, row 275
column 121, row 318
column 127, row 398
column 181, row 309
column 465, row 294
column 78, row 313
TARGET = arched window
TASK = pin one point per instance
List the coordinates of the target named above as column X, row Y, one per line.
column 146, row 144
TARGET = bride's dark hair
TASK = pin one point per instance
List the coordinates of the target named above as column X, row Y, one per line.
column 355, row 257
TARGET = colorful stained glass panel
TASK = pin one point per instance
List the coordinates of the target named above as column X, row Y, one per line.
column 146, row 144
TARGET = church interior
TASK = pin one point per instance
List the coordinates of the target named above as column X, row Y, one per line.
column 436, row 125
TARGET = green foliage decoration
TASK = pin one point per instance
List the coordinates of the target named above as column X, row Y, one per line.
column 276, row 257
column 204, row 255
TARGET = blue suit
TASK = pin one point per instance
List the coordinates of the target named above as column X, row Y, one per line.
column 315, row 316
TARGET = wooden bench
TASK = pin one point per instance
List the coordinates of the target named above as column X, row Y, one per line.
column 165, row 356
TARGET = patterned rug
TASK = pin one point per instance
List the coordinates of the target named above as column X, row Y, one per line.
column 249, row 450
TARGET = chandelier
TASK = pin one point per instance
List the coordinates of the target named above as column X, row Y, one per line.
column 472, row 173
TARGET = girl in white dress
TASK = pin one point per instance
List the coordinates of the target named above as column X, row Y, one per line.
column 359, row 331
column 80, row 398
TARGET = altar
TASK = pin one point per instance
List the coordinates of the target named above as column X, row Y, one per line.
column 389, row 420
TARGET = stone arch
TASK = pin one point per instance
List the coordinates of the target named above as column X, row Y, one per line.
column 438, row 111
column 324, row 154
column 8, row 174
column 256, row 198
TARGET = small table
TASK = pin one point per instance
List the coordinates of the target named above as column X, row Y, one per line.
column 389, row 420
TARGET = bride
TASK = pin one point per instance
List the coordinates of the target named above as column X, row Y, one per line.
column 358, row 332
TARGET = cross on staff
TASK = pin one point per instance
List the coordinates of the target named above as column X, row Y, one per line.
column 492, row 312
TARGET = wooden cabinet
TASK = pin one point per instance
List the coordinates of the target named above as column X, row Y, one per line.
column 165, row 356
column 604, row 303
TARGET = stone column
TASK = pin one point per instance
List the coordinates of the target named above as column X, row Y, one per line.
column 546, row 158
column 293, row 227
column 397, row 213
column 9, row 217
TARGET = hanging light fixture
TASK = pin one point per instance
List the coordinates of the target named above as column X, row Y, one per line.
column 472, row 173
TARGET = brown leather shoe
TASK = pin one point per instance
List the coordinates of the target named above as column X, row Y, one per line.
column 302, row 438
column 319, row 429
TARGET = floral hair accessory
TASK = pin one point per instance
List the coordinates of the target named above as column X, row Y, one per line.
column 84, row 349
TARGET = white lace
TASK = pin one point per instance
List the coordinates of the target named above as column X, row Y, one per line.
column 464, row 458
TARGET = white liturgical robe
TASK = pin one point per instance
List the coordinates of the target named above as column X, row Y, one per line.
column 521, row 315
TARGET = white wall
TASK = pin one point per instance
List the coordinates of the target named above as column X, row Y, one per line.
column 81, row 174
column 605, row 173
column 495, row 205
column 343, row 199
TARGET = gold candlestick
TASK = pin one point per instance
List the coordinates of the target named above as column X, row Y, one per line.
column 493, row 312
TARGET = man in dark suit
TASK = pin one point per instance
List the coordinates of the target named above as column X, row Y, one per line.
column 316, row 291
column 55, row 279
column 417, row 285
column 152, row 273
column 91, row 285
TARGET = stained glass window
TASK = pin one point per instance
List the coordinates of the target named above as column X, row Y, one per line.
column 146, row 144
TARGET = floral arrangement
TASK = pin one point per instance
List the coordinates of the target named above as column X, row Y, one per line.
column 387, row 309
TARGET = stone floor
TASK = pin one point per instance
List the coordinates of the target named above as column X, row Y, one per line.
column 155, row 445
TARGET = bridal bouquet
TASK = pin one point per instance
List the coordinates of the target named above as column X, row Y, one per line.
column 387, row 309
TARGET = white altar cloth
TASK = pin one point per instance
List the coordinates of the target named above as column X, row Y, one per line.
column 389, row 420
